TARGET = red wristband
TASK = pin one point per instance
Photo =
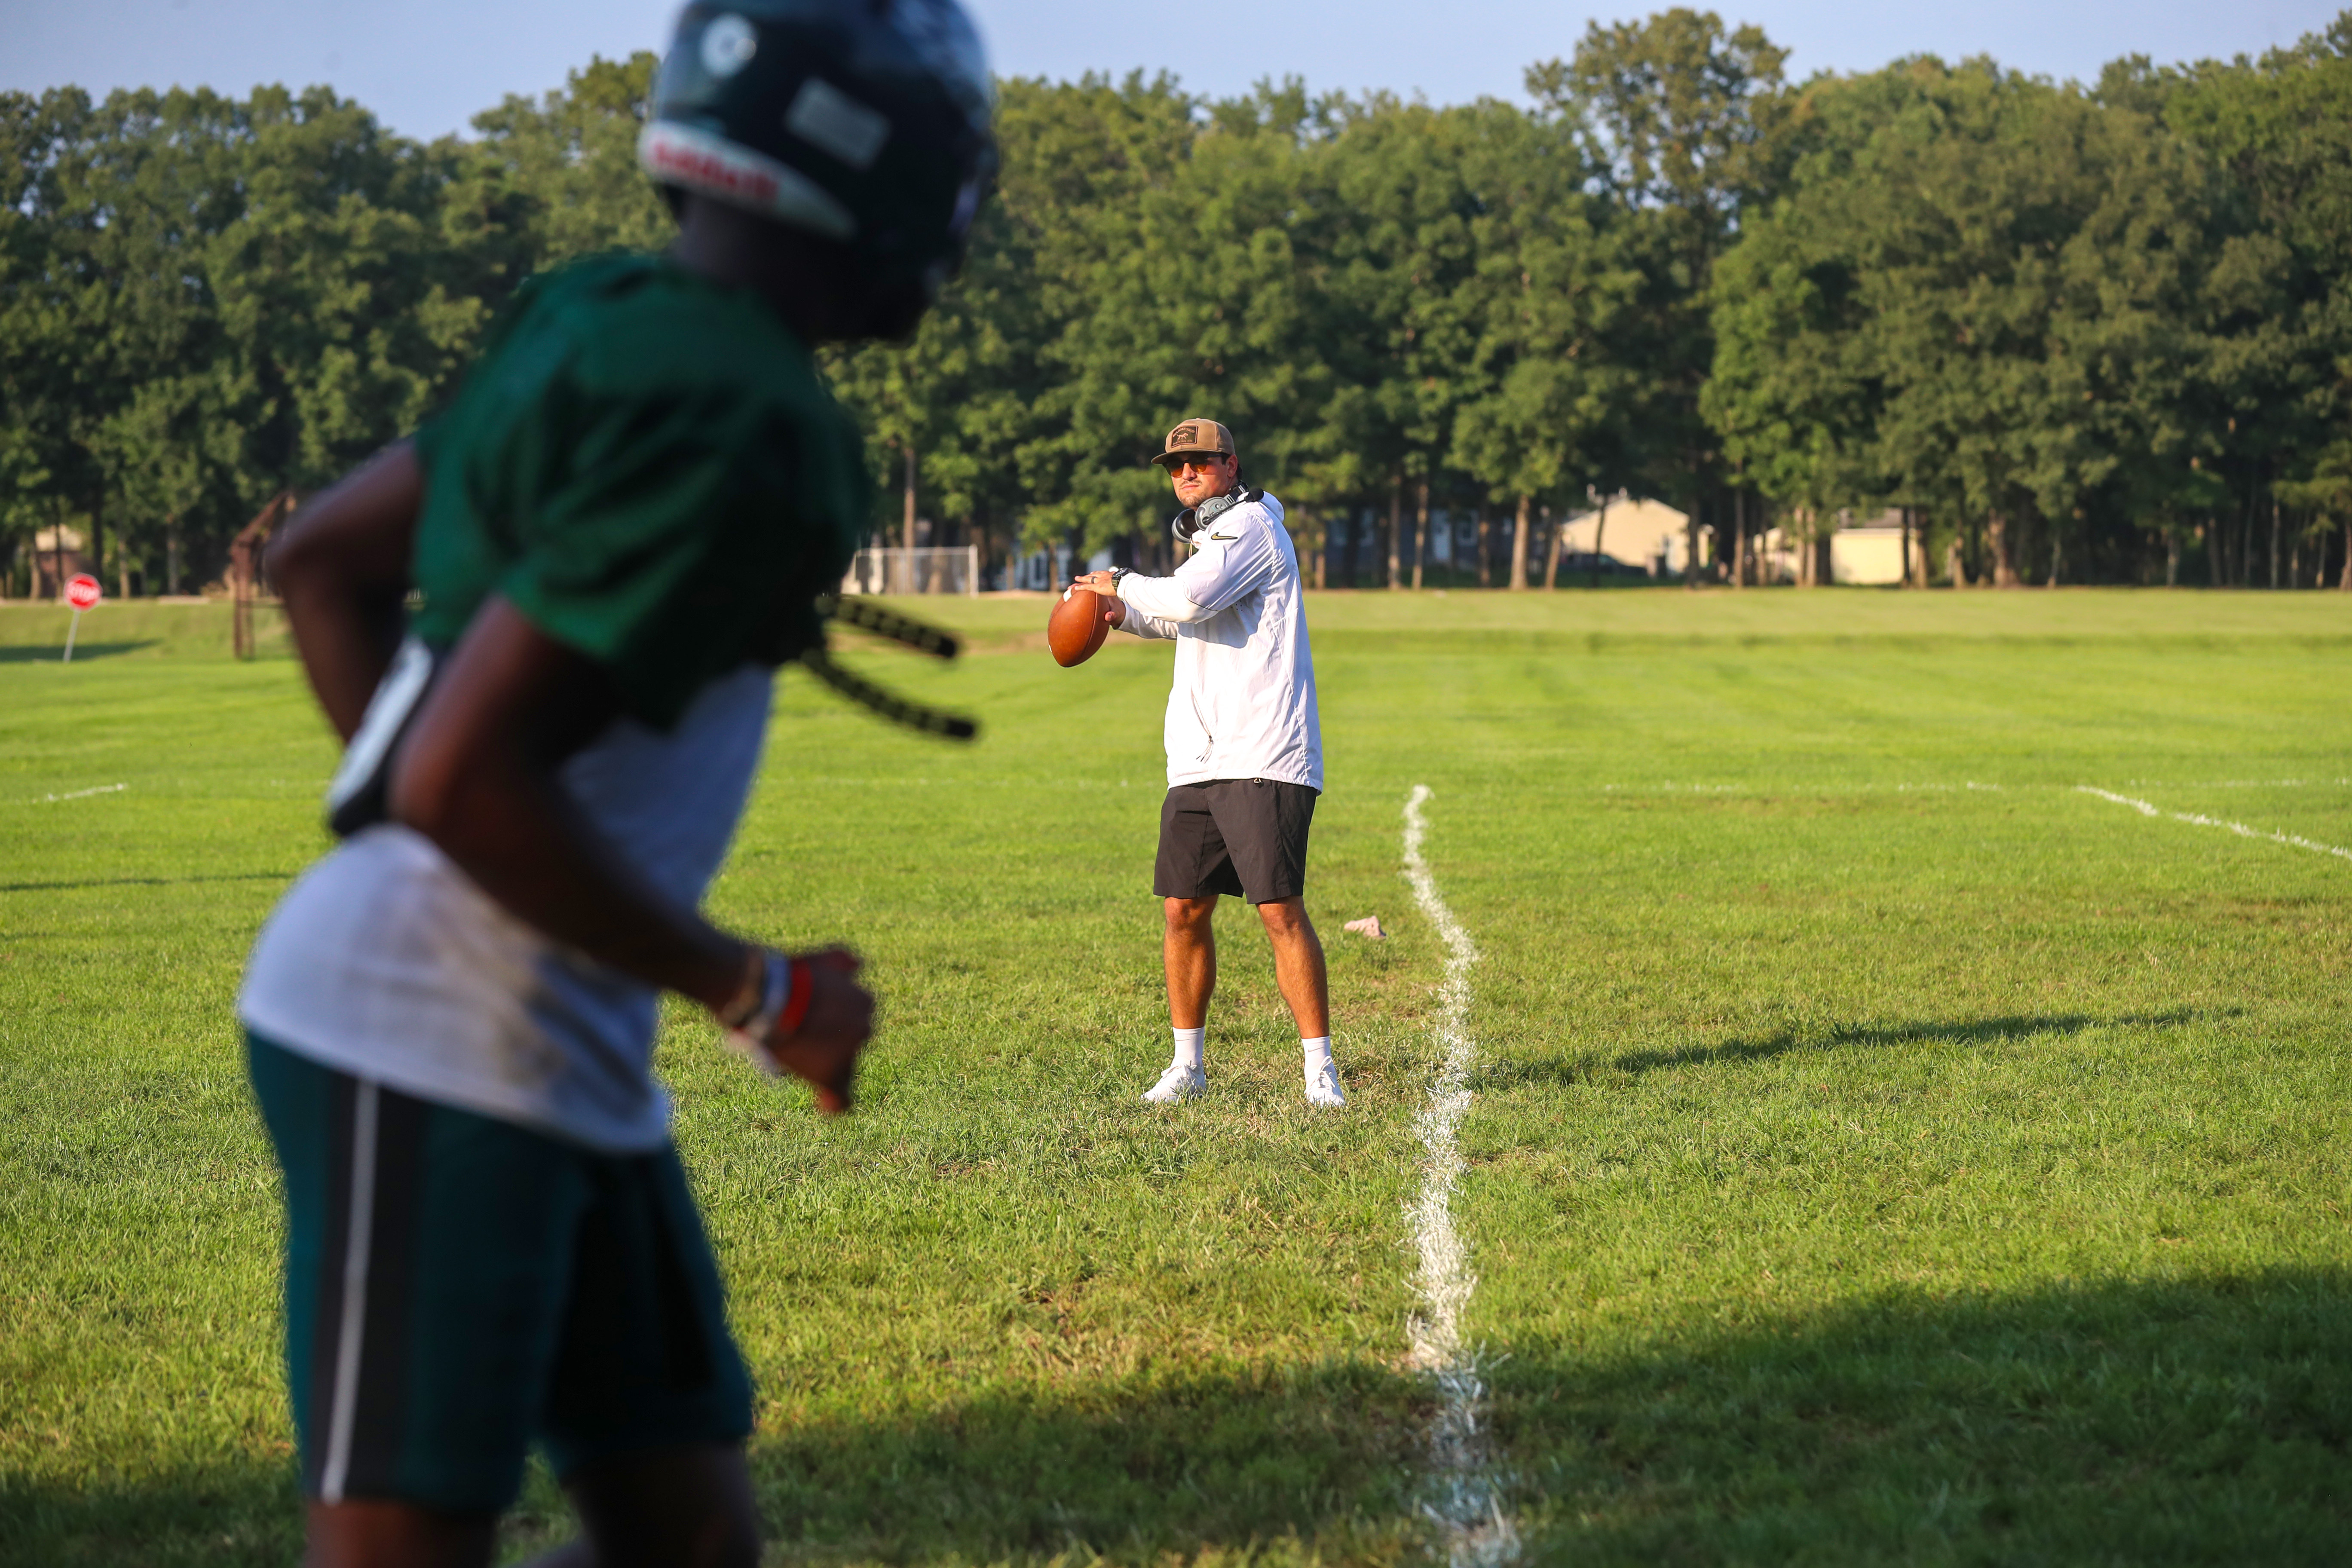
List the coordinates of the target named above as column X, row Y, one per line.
column 796, row 1001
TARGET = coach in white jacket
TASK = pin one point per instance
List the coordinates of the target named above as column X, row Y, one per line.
column 1244, row 749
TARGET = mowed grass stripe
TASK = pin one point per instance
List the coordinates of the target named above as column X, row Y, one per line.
column 1856, row 1173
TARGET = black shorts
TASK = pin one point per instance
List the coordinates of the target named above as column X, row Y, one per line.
column 458, row 1287
column 1234, row 836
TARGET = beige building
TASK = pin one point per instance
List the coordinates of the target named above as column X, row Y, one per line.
column 1642, row 535
column 1869, row 552
column 54, row 554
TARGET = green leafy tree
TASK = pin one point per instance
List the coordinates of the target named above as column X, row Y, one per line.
column 1684, row 121
column 1981, row 294
column 2280, row 128
column 1559, row 400
column 558, row 179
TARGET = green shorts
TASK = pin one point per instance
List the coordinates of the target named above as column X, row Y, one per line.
column 459, row 1287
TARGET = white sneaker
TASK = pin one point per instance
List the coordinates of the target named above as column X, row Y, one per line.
column 1323, row 1086
column 1178, row 1083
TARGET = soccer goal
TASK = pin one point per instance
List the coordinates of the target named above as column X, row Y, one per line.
column 949, row 569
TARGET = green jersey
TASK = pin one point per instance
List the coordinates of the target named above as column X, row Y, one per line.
column 648, row 467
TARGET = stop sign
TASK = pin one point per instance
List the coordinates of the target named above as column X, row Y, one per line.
column 81, row 591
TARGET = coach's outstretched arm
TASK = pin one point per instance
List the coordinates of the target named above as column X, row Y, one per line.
column 1202, row 587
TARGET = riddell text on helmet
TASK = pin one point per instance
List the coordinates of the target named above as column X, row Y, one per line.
column 707, row 170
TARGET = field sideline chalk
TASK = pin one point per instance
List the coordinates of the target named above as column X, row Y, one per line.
column 1467, row 1509
column 2240, row 828
column 75, row 794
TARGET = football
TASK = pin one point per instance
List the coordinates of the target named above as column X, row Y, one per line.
column 1077, row 626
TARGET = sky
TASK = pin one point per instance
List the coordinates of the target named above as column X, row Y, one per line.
column 427, row 67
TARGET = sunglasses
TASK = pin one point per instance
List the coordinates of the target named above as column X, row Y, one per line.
column 1204, row 465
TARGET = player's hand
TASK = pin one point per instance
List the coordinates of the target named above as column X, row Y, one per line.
column 1106, row 584
column 822, row 1052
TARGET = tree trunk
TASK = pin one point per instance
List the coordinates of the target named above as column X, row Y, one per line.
column 1519, row 548
column 1486, row 548
column 1740, row 538
column 1690, row 552
column 1552, row 533
column 2172, row 558
column 1396, row 532
column 171, row 555
column 2004, row 571
column 1956, row 570
column 1419, row 533
column 2344, row 585
column 1904, row 576
column 1600, row 532
column 2275, row 543
column 909, row 510
column 2057, row 555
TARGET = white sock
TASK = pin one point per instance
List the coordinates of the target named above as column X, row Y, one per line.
column 1318, row 1053
column 1189, row 1044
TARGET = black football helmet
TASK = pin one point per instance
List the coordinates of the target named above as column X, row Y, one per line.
column 866, row 122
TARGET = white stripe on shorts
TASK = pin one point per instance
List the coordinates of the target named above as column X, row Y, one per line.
column 355, row 1282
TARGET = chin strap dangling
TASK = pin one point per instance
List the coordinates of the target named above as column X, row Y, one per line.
column 870, row 615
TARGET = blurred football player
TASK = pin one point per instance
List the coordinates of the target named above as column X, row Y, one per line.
column 618, row 530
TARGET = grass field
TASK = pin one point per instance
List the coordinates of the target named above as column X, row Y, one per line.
column 1882, row 1150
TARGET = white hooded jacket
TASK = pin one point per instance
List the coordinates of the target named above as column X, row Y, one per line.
column 1243, row 706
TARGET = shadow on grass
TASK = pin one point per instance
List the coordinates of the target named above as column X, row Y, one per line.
column 1274, row 1465
column 1950, row 1032
column 1306, row 1460
column 54, row 653
column 1514, row 1073
column 223, row 1516
column 146, row 882
column 2192, row 1419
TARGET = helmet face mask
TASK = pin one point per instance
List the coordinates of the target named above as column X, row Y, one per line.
column 864, row 123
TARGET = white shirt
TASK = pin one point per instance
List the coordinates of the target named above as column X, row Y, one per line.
column 1243, row 706
column 385, row 960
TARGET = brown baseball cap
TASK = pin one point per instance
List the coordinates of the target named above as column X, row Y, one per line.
column 1195, row 438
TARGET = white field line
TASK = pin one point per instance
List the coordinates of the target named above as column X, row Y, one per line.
column 1668, row 786
column 75, row 794
column 1784, row 787
column 1467, row 1507
column 2232, row 784
column 2240, row 829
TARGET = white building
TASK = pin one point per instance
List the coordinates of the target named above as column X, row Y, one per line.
column 1868, row 552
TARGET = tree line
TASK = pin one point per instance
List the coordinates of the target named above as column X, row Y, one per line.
column 2077, row 332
